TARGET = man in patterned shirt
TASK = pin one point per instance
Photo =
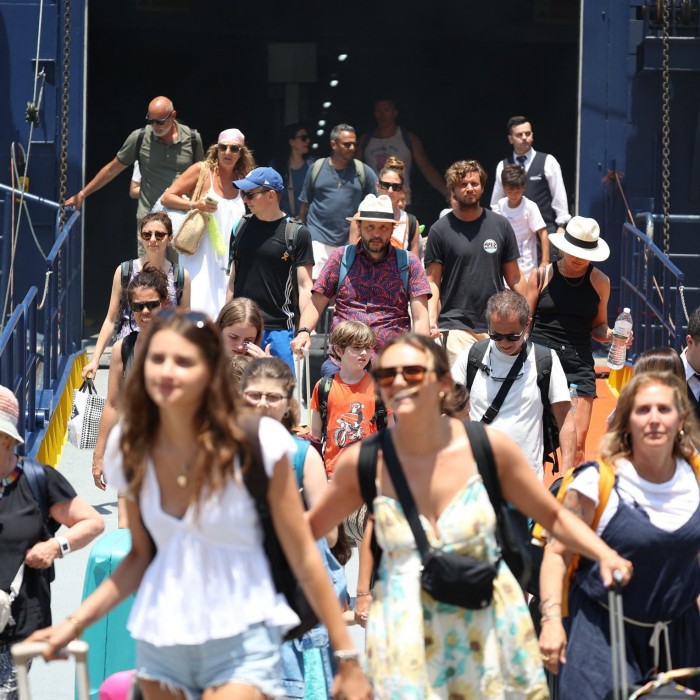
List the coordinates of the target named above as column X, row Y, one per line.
column 373, row 286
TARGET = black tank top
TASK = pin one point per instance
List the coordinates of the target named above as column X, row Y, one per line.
column 566, row 309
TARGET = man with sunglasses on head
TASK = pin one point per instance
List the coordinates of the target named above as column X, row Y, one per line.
column 164, row 148
column 333, row 189
column 507, row 377
column 272, row 259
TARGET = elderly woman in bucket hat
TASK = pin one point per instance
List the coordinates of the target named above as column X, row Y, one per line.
column 569, row 305
column 28, row 546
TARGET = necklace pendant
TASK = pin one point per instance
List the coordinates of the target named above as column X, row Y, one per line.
column 340, row 184
column 182, row 481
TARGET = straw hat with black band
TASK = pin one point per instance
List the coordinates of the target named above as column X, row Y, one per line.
column 582, row 240
column 373, row 208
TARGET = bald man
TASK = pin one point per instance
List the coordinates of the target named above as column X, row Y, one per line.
column 164, row 148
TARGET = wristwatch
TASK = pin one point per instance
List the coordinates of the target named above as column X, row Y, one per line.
column 303, row 330
column 63, row 545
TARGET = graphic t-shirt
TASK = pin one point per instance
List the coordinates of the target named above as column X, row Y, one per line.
column 350, row 415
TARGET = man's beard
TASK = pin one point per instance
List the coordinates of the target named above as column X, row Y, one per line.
column 384, row 251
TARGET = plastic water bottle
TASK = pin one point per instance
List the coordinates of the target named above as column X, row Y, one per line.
column 621, row 334
column 573, row 393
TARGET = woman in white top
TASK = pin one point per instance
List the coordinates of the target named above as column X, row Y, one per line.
column 647, row 483
column 156, row 231
column 227, row 160
column 207, row 618
column 407, row 231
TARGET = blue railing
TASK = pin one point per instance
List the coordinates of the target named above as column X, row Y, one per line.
column 651, row 286
column 37, row 368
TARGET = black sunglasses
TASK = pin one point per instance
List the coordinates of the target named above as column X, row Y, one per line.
column 506, row 336
column 348, row 144
column 412, row 374
column 137, row 306
column 396, row 186
column 303, row 137
column 251, row 193
column 160, row 122
column 223, row 147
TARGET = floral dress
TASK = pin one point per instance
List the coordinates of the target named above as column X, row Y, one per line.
column 418, row 648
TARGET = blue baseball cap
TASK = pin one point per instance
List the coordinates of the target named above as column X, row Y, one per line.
column 261, row 177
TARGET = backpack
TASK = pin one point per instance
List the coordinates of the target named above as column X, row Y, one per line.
column 359, row 169
column 349, row 252
column 380, row 417
column 291, row 231
column 606, row 483
column 127, row 268
column 543, row 363
column 142, row 134
column 36, row 480
column 256, row 481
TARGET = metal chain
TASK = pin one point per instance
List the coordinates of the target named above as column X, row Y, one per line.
column 666, row 128
column 46, row 290
column 65, row 97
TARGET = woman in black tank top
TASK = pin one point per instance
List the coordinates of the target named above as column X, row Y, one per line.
column 569, row 306
column 146, row 293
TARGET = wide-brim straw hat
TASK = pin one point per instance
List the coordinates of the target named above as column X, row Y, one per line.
column 373, row 208
column 582, row 239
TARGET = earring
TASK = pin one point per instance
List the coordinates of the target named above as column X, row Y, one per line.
column 680, row 436
column 442, row 394
column 626, row 440
column 286, row 414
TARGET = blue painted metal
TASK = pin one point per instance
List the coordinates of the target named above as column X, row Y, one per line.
column 651, row 286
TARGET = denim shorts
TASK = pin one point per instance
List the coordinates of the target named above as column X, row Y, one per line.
column 252, row 658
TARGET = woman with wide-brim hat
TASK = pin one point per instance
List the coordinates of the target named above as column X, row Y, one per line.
column 569, row 305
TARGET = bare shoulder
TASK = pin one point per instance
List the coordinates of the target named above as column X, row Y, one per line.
column 599, row 279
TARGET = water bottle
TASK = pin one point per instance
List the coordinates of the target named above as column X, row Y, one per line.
column 573, row 393
column 621, row 334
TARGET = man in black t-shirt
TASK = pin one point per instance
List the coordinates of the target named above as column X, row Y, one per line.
column 470, row 251
column 272, row 260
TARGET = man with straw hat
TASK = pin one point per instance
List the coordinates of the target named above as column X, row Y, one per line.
column 372, row 282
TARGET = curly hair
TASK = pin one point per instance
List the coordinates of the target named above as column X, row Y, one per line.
column 219, row 438
column 459, row 170
column 244, row 164
column 616, row 442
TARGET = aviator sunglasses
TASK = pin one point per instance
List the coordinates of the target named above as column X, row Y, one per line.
column 160, row 122
column 412, row 374
column 223, row 147
column 138, row 306
column 396, row 186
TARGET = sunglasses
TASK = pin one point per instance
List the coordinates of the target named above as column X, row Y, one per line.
column 506, row 336
column 255, row 397
column 303, row 137
column 148, row 235
column 251, row 193
column 160, row 122
column 223, row 147
column 396, row 186
column 138, row 306
column 412, row 374
column 348, row 144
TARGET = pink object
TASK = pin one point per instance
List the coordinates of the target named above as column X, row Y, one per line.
column 232, row 136
column 117, row 686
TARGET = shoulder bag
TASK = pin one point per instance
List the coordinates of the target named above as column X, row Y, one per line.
column 194, row 225
column 85, row 416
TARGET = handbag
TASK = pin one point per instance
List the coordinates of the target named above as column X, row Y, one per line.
column 6, row 599
column 512, row 529
column 194, row 225
column 176, row 216
column 85, row 416
column 256, row 481
column 456, row 579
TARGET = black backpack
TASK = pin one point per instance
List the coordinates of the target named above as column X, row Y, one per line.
column 543, row 363
column 36, row 479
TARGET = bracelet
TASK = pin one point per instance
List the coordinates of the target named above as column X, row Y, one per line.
column 359, row 595
column 553, row 616
column 303, row 329
column 79, row 628
column 82, row 194
column 346, row 655
column 547, row 603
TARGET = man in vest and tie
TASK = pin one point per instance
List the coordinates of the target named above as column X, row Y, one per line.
column 545, row 184
column 691, row 360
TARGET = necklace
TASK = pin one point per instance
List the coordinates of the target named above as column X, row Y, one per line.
column 9, row 479
column 566, row 279
column 181, row 474
column 337, row 174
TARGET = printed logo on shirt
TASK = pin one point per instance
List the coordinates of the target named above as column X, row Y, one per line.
column 349, row 428
column 490, row 246
column 535, row 177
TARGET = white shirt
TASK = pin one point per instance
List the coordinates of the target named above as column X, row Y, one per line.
column 526, row 220
column 690, row 376
column 669, row 505
column 555, row 180
column 521, row 413
column 210, row 578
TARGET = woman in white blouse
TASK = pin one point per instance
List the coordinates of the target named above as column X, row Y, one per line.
column 207, row 618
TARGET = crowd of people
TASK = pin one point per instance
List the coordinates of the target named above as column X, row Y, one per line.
column 486, row 320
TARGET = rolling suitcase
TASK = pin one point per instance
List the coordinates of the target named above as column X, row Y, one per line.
column 111, row 647
column 663, row 686
column 24, row 651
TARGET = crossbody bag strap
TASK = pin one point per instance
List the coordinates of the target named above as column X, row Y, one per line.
column 403, row 492
column 17, row 583
column 495, row 407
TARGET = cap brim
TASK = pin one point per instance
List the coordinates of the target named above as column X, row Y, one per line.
column 246, row 184
column 598, row 254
